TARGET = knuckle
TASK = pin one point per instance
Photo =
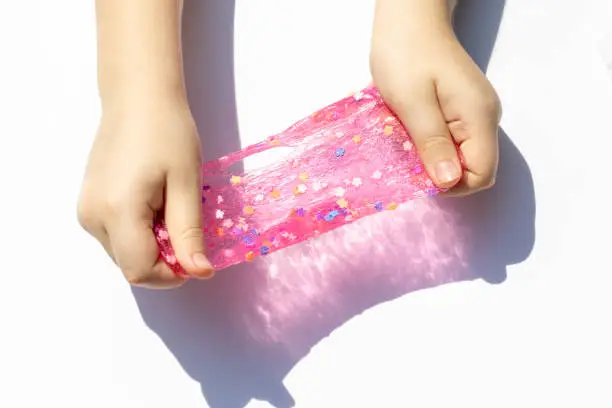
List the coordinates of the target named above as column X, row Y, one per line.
column 139, row 278
column 114, row 203
column 151, row 280
column 192, row 234
column 485, row 182
column 490, row 105
column 87, row 216
column 491, row 180
column 435, row 142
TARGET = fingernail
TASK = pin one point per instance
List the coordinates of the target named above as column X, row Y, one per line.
column 447, row 172
column 207, row 275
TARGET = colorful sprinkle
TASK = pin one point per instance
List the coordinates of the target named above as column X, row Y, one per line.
column 264, row 250
column 378, row 206
column 259, row 197
column 242, row 224
column 248, row 241
column 357, row 182
column 227, row 223
column 219, row 214
column 273, row 140
column 300, row 212
column 249, row 256
column 407, row 145
column 318, row 185
column 332, row 215
column 220, row 232
column 388, row 130
column 304, row 176
column 342, row 203
column 205, row 187
column 219, row 199
column 254, row 232
column 300, row 189
column 357, row 139
column 392, row 206
column 275, row 193
column 235, row 180
column 203, row 199
column 377, row 175
column 339, row 192
column 340, row 152
column 249, row 210
column 418, row 170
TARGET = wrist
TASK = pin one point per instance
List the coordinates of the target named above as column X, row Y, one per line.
column 133, row 91
column 422, row 19
column 151, row 102
column 139, row 52
column 141, row 74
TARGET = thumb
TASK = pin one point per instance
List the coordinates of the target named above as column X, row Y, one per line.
column 421, row 115
column 183, row 216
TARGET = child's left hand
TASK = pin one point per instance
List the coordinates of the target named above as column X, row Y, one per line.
column 438, row 92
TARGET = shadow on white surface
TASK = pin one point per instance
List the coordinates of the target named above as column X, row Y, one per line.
column 216, row 330
column 477, row 24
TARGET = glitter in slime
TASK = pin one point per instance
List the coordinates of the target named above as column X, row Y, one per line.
column 349, row 160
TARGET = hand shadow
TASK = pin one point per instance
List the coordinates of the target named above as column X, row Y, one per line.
column 240, row 333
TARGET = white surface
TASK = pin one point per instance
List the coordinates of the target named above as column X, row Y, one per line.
column 74, row 336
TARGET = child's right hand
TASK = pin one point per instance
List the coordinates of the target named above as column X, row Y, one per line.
column 146, row 158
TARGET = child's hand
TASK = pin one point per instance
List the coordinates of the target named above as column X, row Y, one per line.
column 437, row 91
column 146, row 158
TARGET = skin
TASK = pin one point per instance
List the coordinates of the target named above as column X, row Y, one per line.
column 146, row 156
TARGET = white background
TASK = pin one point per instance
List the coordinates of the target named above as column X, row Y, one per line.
column 73, row 334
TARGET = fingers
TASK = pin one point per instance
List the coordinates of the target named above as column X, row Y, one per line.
column 479, row 147
column 135, row 250
column 421, row 115
column 477, row 137
column 104, row 240
column 183, row 216
column 127, row 237
column 95, row 229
